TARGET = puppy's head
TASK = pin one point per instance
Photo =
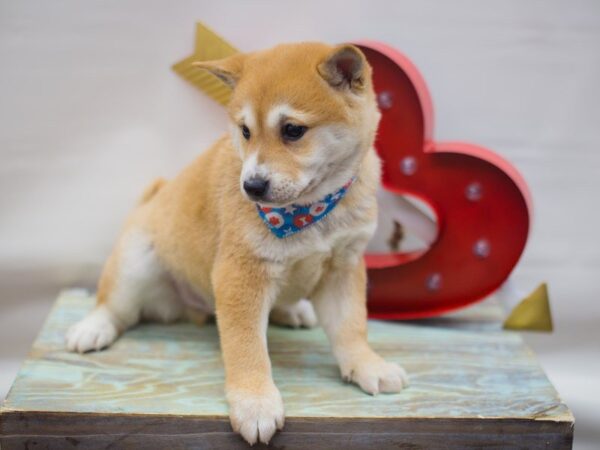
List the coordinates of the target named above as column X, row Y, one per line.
column 303, row 117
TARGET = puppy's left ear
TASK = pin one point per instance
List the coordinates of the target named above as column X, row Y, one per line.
column 229, row 70
column 344, row 67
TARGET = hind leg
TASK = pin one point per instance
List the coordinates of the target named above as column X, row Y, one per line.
column 295, row 315
column 133, row 286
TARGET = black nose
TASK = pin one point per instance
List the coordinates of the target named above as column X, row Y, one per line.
column 256, row 187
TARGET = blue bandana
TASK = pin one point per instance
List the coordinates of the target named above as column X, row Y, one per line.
column 284, row 222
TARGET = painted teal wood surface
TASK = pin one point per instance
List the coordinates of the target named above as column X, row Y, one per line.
column 462, row 366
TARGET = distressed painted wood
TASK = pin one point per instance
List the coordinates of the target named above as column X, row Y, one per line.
column 161, row 386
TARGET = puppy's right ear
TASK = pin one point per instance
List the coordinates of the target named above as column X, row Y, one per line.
column 229, row 70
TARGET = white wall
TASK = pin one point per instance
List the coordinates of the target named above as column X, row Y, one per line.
column 90, row 112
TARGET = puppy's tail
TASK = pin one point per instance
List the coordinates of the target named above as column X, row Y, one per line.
column 152, row 190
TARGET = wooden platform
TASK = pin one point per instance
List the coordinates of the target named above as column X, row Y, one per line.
column 161, row 386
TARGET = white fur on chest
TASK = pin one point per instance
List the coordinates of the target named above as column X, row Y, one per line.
column 299, row 262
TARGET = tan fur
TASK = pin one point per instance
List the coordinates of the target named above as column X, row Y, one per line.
column 152, row 189
column 202, row 231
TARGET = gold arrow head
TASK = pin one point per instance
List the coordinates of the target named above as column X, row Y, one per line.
column 532, row 313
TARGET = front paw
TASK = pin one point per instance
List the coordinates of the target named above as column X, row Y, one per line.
column 256, row 415
column 374, row 374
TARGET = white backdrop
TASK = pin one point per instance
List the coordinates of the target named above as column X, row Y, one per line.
column 90, row 112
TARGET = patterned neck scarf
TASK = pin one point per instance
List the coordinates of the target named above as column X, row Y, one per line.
column 291, row 219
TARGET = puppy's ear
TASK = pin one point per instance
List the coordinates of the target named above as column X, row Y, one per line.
column 229, row 70
column 344, row 67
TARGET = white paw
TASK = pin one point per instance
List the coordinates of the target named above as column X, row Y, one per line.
column 299, row 314
column 256, row 416
column 375, row 375
column 94, row 332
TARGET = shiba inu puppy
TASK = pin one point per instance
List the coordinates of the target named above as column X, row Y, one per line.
column 272, row 220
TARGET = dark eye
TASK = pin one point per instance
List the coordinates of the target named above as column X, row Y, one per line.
column 246, row 132
column 291, row 132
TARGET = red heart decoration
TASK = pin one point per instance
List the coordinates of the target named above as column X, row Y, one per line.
column 481, row 202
